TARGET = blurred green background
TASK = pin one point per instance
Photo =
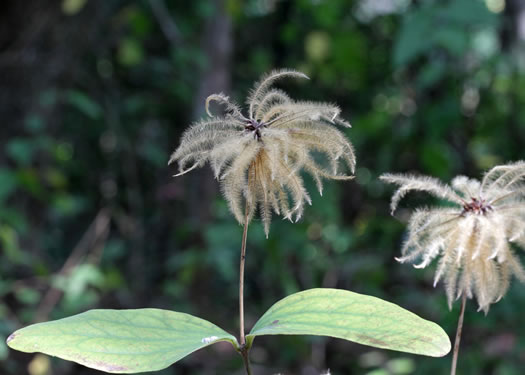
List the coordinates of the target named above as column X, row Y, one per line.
column 94, row 96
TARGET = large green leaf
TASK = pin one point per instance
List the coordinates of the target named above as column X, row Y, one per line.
column 355, row 317
column 121, row 341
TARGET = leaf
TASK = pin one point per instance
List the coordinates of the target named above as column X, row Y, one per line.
column 9, row 243
column 467, row 13
column 85, row 104
column 355, row 317
column 7, row 183
column 436, row 157
column 409, row 43
column 72, row 7
column 130, row 52
column 453, row 39
column 431, row 73
column 121, row 341
column 21, row 150
column 448, row 24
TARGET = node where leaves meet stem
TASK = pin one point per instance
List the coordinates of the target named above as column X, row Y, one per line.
column 244, row 350
column 458, row 335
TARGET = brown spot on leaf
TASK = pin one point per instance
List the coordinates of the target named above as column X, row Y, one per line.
column 100, row 365
column 372, row 341
column 108, row 367
column 275, row 322
column 424, row 339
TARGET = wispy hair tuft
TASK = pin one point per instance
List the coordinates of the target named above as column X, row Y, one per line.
column 258, row 158
column 473, row 238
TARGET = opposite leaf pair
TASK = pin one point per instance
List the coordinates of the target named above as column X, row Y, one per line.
column 132, row 341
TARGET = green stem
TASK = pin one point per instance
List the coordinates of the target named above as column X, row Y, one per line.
column 244, row 349
column 458, row 335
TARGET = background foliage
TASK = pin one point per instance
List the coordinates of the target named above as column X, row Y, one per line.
column 96, row 94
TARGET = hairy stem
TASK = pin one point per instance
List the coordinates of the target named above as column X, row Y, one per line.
column 244, row 349
column 458, row 335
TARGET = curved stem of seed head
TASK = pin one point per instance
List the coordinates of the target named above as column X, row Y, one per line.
column 458, row 335
column 244, row 350
column 241, row 277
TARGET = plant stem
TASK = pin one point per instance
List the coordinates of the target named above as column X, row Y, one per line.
column 244, row 349
column 241, row 278
column 458, row 335
column 246, row 359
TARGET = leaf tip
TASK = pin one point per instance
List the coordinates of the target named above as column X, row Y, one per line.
column 10, row 338
column 445, row 348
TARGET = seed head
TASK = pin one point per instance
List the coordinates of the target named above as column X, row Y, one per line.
column 258, row 158
column 474, row 238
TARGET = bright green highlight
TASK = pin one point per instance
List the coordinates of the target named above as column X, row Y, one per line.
column 121, row 341
column 355, row 317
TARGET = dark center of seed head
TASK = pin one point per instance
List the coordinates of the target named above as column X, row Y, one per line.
column 255, row 127
column 476, row 206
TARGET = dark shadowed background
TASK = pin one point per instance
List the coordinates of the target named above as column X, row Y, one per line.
column 94, row 96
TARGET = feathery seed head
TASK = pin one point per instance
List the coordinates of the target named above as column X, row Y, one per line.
column 473, row 239
column 257, row 158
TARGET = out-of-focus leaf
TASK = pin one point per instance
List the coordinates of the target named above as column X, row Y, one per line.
column 79, row 279
column 39, row 365
column 448, row 24
column 7, row 183
column 130, row 52
column 153, row 154
column 3, row 348
column 55, row 178
column 14, row 218
column 486, row 43
column 454, row 40
column 21, row 150
column 63, row 152
column 355, row 317
column 436, row 158
column 431, row 73
column 221, row 239
column 139, row 21
column 121, row 341
column 317, row 45
column 9, row 244
column 34, row 123
column 72, row 7
column 401, row 366
column 68, row 205
column 27, row 296
column 413, row 38
column 467, row 12
column 82, row 102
